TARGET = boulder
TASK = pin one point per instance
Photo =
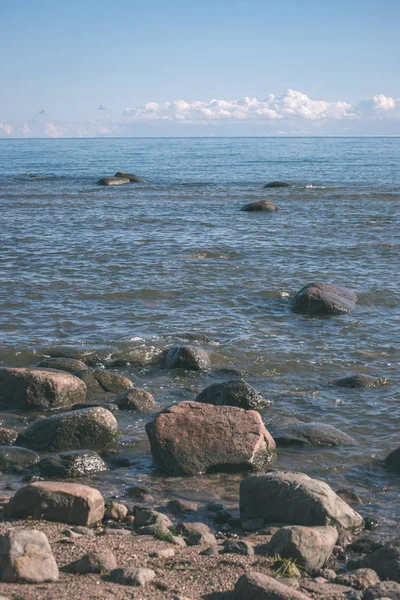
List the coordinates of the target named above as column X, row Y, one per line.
column 238, row 547
column 296, row 499
column 116, row 511
column 365, row 545
column 257, row 586
column 323, row 299
column 133, row 576
column 100, row 381
column 93, row 428
column 186, row 357
column 74, row 463
column 385, row 561
column 63, row 364
column 360, row 381
column 151, row 522
column 136, row 399
column 180, row 507
column 113, row 180
column 57, row 501
column 393, row 460
column 386, row 590
column 312, row 434
column 361, row 579
column 199, row 538
column 277, row 184
column 235, row 392
column 101, row 560
column 40, row 388
column 26, row 557
column 12, row 457
column 8, row 436
column 310, row 547
column 132, row 178
column 349, row 496
column 260, row 206
column 191, row 438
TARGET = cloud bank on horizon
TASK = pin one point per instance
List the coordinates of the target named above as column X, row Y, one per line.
column 291, row 113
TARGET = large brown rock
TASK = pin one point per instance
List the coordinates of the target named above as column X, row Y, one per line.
column 57, row 501
column 192, row 438
column 100, row 381
column 26, row 557
column 40, row 388
column 323, row 299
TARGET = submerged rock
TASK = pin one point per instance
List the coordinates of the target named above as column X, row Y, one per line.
column 186, row 357
column 26, row 557
column 8, row 436
column 132, row 178
column 234, row 392
column 63, row 364
column 310, row 547
column 136, row 399
column 360, row 381
column 276, row 184
column 323, row 299
column 113, row 180
column 191, row 438
column 393, row 460
column 312, row 434
column 260, row 206
column 99, row 381
column 12, row 457
column 75, row 463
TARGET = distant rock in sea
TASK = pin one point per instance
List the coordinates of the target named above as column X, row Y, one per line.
column 131, row 176
column 260, row 206
column 113, row 180
column 276, row 184
column 323, row 299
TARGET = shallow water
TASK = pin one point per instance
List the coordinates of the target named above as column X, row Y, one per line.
column 138, row 267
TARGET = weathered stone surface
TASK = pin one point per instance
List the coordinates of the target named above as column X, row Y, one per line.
column 386, row 590
column 393, row 460
column 385, row 561
column 294, row 498
column 93, row 428
column 179, row 507
column 234, row 392
column 186, row 357
column 312, row 434
column 257, row 586
column 116, row 511
column 360, row 381
column 8, row 436
column 260, row 206
column 151, row 522
column 310, row 547
column 191, row 438
column 102, row 560
column 100, row 381
column 63, row 364
column 131, row 176
column 133, row 576
column 199, row 538
column 55, row 501
column 276, row 184
column 74, row 463
column 238, row 547
column 136, row 399
column 322, row 590
column 16, row 457
column 26, row 557
column 323, row 299
column 113, row 180
column 361, row 579
column 40, row 388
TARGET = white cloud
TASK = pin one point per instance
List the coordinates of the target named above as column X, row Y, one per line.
column 6, row 129
column 26, row 130
column 52, row 131
column 378, row 106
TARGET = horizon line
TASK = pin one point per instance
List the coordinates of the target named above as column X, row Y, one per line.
column 208, row 137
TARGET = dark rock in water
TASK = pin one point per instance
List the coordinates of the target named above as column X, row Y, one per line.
column 260, row 206
column 191, row 438
column 90, row 358
column 186, row 357
column 180, row 507
column 26, row 557
column 95, row 428
column 360, row 381
column 75, row 463
column 385, row 561
column 277, row 184
column 349, row 496
column 136, row 399
column 312, row 434
column 232, row 393
column 99, row 381
column 40, row 388
column 393, row 460
column 310, row 547
column 365, row 545
column 63, row 364
column 113, row 181
column 8, row 436
column 323, row 299
column 16, row 457
column 108, row 405
column 132, row 178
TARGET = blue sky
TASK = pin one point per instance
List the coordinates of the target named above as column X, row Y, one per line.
column 97, row 67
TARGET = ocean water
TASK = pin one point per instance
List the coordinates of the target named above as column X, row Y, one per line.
column 129, row 270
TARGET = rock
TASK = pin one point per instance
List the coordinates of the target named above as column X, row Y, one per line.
column 70, row 503
column 40, row 388
column 260, row 206
column 179, row 507
column 360, row 381
column 235, row 392
column 75, row 463
column 186, row 357
column 349, row 496
column 393, row 460
column 312, row 434
column 222, row 516
column 294, row 498
column 165, row 553
column 116, row 511
column 198, row 538
column 8, row 436
column 63, row 364
column 253, row 524
column 276, row 184
column 310, row 547
column 214, row 506
column 192, row 527
column 12, row 457
column 136, row 399
column 102, row 560
column 139, row 492
column 383, row 591
column 95, row 428
column 385, row 561
column 100, row 381
column 257, row 586
column 323, row 299
column 238, row 547
column 365, row 545
column 210, row 551
column 151, row 522
column 26, row 557
column 191, row 438
column 329, row 591
column 132, row 178
column 361, row 579
column 113, row 180
column 133, row 576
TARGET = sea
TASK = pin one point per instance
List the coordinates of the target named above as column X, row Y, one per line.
column 124, row 272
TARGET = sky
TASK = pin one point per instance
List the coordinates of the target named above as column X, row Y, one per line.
column 95, row 68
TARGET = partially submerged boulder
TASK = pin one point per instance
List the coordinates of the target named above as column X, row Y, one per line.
column 71, row 464
column 12, row 457
column 310, row 547
column 131, row 176
column 234, row 392
column 186, row 357
column 323, row 299
column 360, row 381
column 113, row 180
column 136, row 399
column 277, row 184
column 100, row 381
column 312, row 434
column 260, row 206
column 63, row 364
column 26, row 557
column 393, row 460
column 191, row 438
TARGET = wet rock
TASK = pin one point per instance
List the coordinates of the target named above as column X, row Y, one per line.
column 198, row 538
column 40, row 388
column 294, row 498
column 8, row 436
column 26, row 557
column 75, row 463
column 12, row 457
column 179, row 507
column 93, row 428
column 55, row 501
column 99, row 381
column 139, row 492
column 235, row 392
column 312, row 434
column 238, row 547
column 277, row 184
column 385, row 561
column 323, row 299
column 257, row 586
column 63, row 364
column 364, row 545
column 310, row 547
column 383, row 591
column 361, row 579
column 113, row 180
column 191, row 438
column 393, row 460
column 260, row 206
column 116, row 511
column 349, row 496
column 102, row 560
column 132, row 178
column 360, row 381
column 186, row 357
column 136, row 399
column 133, row 576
